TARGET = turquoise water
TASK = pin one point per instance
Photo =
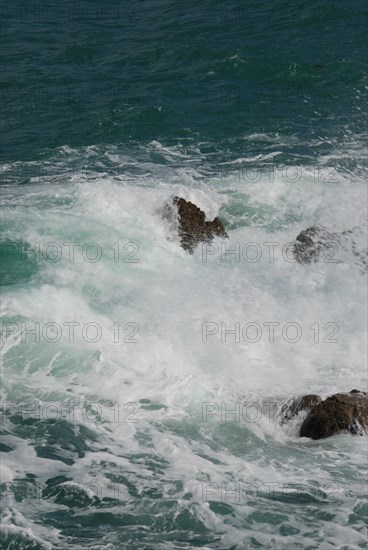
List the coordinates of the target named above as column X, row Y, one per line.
column 130, row 417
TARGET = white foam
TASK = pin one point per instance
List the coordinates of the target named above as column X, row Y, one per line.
column 169, row 294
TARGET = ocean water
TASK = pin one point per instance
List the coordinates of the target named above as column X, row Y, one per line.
column 141, row 385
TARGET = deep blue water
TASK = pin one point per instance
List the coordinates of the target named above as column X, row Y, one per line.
column 253, row 110
column 128, row 73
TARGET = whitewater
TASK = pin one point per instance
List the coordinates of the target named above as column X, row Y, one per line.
column 142, row 385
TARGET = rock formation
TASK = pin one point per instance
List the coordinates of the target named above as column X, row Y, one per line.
column 312, row 241
column 293, row 407
column 342, row 411
column 192, row 225
column 336, row 413
column 316, row 244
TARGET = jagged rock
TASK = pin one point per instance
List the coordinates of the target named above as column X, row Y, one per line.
column 295, row 406
column 342, row 411
column 360, row 254
column 312, row 241
column 192, row 225
column 316, row 244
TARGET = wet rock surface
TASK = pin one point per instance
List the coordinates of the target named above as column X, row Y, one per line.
column 317, row 244
column 192, row 225
column 295, row 406
column 312, row 242
column 337, row 413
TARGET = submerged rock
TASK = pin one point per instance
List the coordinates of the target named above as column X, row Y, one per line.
column 192, row 225
column 316, row 244
column 312, row 241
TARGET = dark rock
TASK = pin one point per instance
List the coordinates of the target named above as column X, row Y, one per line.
column 361, row 256
column 293, row 407
column 192, row 225
column 355, row 240
column 312, row 241
column 316, row 244
column 342, row 411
